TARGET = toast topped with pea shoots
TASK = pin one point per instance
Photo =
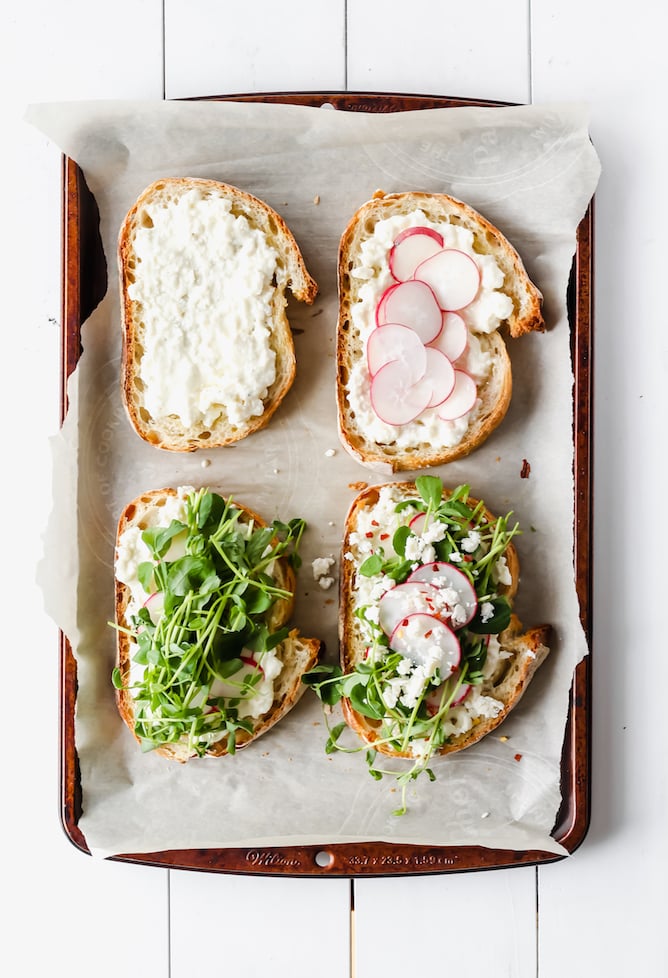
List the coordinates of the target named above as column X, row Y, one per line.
column 432, row 657
column 207, row 660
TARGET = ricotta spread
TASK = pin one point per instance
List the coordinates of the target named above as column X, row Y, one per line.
column 483, row 316
column 204, row 288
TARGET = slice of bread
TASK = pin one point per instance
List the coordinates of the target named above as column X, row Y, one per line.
column 155, row 508
column 364, row 275
column 208, row 354
column 511, row 664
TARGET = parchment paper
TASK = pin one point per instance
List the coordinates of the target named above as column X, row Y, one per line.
column 530, row 170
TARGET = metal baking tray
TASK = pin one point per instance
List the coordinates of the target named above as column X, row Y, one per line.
column 84, row 282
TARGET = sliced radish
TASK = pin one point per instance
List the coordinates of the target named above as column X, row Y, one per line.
column 443, row 576
column 461, row 399
column 453, row 277
column 440, row 374
column 413, row 304
column 425, row 639
column 396, row 342
column 442, row 693
column 453, row 338
column 417, row 523
column 410, row 248
column 155, row 604
column 395, row 395
column 250, row 661
column 403, row 600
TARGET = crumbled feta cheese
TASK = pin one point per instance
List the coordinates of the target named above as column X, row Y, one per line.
column 321, row 566
column 414, row 547
column 404, row 667
column 325, row 582
column 421, row 749
column 486, row 611
column 471, row 542
column 501, row 572
column 434, row 533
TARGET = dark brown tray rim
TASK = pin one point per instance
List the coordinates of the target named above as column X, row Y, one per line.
column 371, row 858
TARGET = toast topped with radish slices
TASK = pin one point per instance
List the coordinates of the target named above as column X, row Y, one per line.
column 206, row 660
column 432, row 657
column 208, row 355
column 426, row 286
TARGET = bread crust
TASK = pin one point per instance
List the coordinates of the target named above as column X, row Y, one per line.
column 494, row 395
column 170, row 433
column 510, row 679
column 299, row 654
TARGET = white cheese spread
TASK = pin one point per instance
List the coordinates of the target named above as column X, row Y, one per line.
column 483, row 316
column 204, row 289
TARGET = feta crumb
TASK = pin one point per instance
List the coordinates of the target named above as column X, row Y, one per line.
column 434, row 533
column 326, row 582
column 471, row 542
column 321, row 566
column 330, row 453
column 486, row 611
column 501, row 573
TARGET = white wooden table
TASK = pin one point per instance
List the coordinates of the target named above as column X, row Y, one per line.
column 601, row 911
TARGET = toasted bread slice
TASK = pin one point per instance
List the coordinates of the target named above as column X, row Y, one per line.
column 514, row 308
column 516, row 656
column 208, row 354
column 296, row 653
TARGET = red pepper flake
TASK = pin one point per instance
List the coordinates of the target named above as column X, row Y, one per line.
column 384, row 536
column 429, row 633
column 375, row 523
column 368, row 535
column 526, row 469
column 518, row 757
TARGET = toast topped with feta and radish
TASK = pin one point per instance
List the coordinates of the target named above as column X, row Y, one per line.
column 432, row 657
column 206, row 660
column 426, row 287
column 208, row 354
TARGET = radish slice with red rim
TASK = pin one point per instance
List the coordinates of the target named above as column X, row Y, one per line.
column 453, row 276
column 155, row 604
column 442, row 693
column 441, row 375
column 413, row 304
column 403, row 600
column 396, row 342
column 425, row 639
column 453, row 338
column 417, row 523
column 444, row 576
column 461, row 399
column 410, row 248
column 396, row 397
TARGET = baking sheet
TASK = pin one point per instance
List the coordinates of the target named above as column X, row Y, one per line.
column 551, row 160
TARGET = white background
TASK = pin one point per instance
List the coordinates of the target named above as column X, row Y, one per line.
column 600, row 912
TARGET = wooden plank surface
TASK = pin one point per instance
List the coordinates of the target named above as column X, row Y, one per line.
column 600, row 911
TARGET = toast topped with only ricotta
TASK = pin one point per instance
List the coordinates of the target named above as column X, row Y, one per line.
column 426, row 286
column 208, row 354
column 206, row 659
